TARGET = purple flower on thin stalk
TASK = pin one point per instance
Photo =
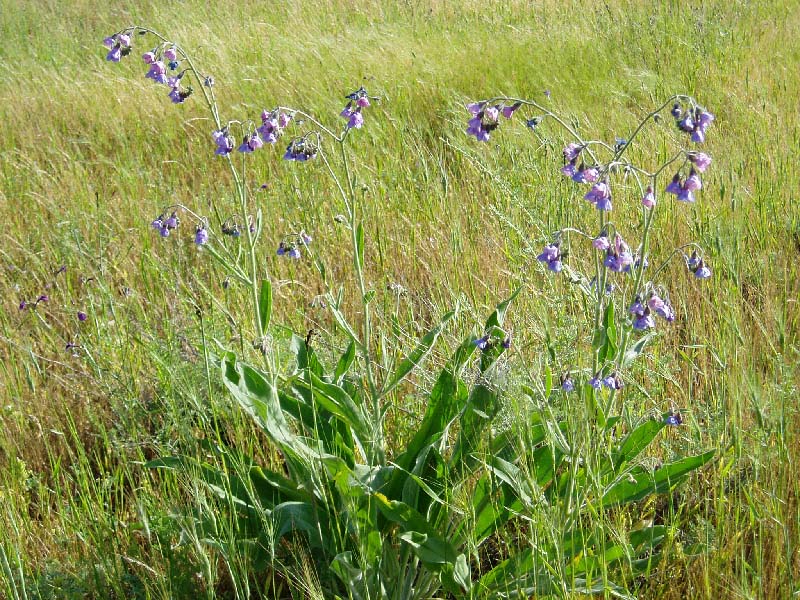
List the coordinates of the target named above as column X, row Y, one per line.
column 508, row 111
column 125, row 40
column 157, row 223
column 675, row 186
column 149, row 58
column 649, row 198
column 171, row 54
column 700, row 160
column 599, row 195
column 172, row 222
column 356, row 119
column 82, row 316
column 109, row 42
column 693, row 261
column 644, row 321
column 201, row 235
column 223, row 141
column 637, row 308
column 23, row 305
column 692, row 182
column 475, row 108
column 702, row 271
column 571, row 151
column 567, row 384
column 613, row 382
column 601, row 242
column 157, row 72
column 686, row 196
column 569, row 169
column 43, row 298
column 673, row 419
column 115, row 54
column 482, row 343
column 596, row 382
column 552, row 256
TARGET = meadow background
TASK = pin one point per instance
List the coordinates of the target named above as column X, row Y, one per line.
column 91, row 151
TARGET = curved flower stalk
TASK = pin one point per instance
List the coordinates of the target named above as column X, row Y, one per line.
column 599, row 165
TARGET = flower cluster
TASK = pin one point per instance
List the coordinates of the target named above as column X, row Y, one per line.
column 272, row 125
column 164, row 225
column 356, row 101
column 684, row 189
column 619, row 257
column 290, row 247
column 692, row 121
column 300, row 149
column 552, row 256
column 642, row 311
column 486, row 119
column 118, row 45
column 487, row 342
column 697, row 266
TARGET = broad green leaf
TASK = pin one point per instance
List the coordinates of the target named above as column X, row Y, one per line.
column 338, row 402
column 634, row 351
column 498, row 316
column 345, row 362
column 636, row 441
column 639, row 482
column 417, row 355
column 360, row 243
column 265, row 304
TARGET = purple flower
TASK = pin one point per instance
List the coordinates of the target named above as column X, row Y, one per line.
column 692, row 182
column 200, row 235
column 705, row 119
column 702, row 271
column 164, row 231
column 552, row 256
column 673, row 419
column 693, row 261
column 599, row 193
column 665, row 312
column 676, row 111
column 223, row 141
column 508, row 111
column 294, row 253
column 569, row 169
column 637, row 308
column 507, row 342
column 43, row 298
column 109, row 42
column 567, row 384
column 363, row 102
column 356, row 120
column 475, row 108
column 698, row 135
column 171, row 54
column 611, row 260
column 481, row 343
column 149, row 58
column 649, row 199
column 686, row 123
column 571, row 151
column 172, row 221
column 644, row 321
column 158, row 223
column 23, row 305
column 700, row 160
column 125, row 40
column 595, row 382
column 305, row 239
column 613, row 382
column 675, row 186
column 604, row 204
column 82, row 316
column 115, row 54
column 601, row 242
column 686, row 196
column 283, row 120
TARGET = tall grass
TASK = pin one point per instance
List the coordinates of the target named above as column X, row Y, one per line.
column 90, row 153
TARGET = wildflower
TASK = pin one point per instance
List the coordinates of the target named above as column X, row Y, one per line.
column 649, row 198
column 601, row 242
column 171, row 54
column 700, row 160
column 305, row 239
column 675, row 186
column 692, row 182
column 596, row 382
column 149, row 58
column 508, row 111
column 224, row 142
column 637, row 308
column 533, row 123
column 552, row 256
column 686, row 196
column 676, row 111
column 124, row 40
column 567, row 384
column 109, row 42
column 173, row 65
column 644, row 321
column 157, row 223
column 300, row 150
column 250, row 143
column 613, row 382
column 356, row 119
column 157, row 72
column 200, row 235
column 164, row 231
column 475, row 107
column 673, row 419
column 599, row 195
column 115, row 54
column 686, row 123
column 82, row 316
column 23, row 305
column 693, row 261
column 585, row 174
column 484, row 122
column 571, row 151
column 294, row 253
column 481, row 343
column 172, row 222
column 42, row 298
column 569, row 169
column 611, row 261
column 702, row 271
column 623, row 251
column 507, row 342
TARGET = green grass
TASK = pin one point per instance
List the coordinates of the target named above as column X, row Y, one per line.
column 91, row 151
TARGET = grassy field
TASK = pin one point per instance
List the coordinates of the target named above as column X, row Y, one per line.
column 91, row 152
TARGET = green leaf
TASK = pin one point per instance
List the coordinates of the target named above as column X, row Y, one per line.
column 636, row 441
column 416, row 356
column 639, row 483
column 608, row 349
column 265, row 304
column 634, row 351
column 338, row 402
column 360, row 243
column 345, row 362
column 498, row 316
